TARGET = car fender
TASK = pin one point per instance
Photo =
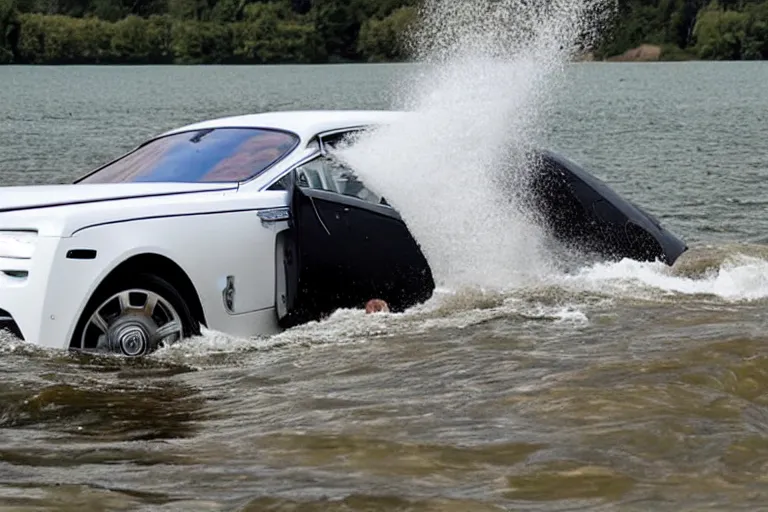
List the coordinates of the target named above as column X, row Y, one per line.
column 209, row 248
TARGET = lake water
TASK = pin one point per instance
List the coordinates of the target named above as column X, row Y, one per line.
column 626, row 387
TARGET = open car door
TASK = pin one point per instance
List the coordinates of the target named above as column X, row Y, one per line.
column 346, row 246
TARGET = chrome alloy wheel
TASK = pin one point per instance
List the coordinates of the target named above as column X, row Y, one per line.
column 132, row 322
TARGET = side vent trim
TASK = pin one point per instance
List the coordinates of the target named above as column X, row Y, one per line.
column 81, row 254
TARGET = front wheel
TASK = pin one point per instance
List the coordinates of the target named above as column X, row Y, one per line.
column 134, row 316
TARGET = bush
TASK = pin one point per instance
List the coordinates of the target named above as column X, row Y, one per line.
column 383, row 40
column 7, row 23
column 671, row 52
column 64, row 40
column 201, row 42
column 139, row 40
column 719, row 33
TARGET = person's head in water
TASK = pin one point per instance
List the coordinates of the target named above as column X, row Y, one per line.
column 376, row 306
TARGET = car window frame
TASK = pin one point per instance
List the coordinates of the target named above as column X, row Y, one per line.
column 318, row 141
column 355, row 202
column 322, row 137
column 309, row 159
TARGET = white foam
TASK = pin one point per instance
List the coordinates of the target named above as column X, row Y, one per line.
column 447, row 310
column 739, row 277
column 11, row 345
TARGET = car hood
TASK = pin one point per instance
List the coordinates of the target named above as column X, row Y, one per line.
column 45, row 196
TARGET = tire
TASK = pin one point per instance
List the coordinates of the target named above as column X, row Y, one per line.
column 136, row 284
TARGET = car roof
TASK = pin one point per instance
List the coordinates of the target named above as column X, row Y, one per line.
column 305, row 123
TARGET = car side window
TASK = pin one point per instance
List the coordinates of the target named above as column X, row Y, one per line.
column 327, row 173
column 281, row 184
column 342, row 139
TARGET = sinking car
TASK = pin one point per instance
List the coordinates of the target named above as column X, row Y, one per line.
column 245, row 225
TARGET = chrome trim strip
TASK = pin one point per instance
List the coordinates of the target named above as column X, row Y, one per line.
column 168, row 216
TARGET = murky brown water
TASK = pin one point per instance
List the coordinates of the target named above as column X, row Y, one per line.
column 625, row 387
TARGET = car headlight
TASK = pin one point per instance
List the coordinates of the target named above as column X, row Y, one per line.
column 17, row 244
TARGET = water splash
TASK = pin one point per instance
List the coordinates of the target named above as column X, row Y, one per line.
column 454, row 167
column 739, row 277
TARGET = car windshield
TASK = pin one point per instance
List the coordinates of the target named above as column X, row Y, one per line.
column 210, row 155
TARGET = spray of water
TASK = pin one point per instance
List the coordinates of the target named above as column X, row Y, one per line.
column 454, row 166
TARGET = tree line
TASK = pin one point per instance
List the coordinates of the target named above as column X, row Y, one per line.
column 321, row 31
column 691, row 29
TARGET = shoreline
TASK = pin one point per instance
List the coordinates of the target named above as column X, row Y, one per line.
column 645, row 53
column 327, row 64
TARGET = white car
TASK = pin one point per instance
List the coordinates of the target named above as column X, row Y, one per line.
column 245, row 225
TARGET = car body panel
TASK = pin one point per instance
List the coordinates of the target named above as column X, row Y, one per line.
column 583, row 212
column 66, row 220
column 348, row 251
column 207, row 247
column 24, row 297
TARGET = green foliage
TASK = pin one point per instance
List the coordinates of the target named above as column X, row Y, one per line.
column 732, row 35
column 671, row 52
column 266, row 38
column 60, row 39
column 309, row 31
column 719, row 33
column 337, row 23
column 728, row 30
column 7, row 24
column 383, row 40
column 201, row 42
column 755, row 43
column 139, row 40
